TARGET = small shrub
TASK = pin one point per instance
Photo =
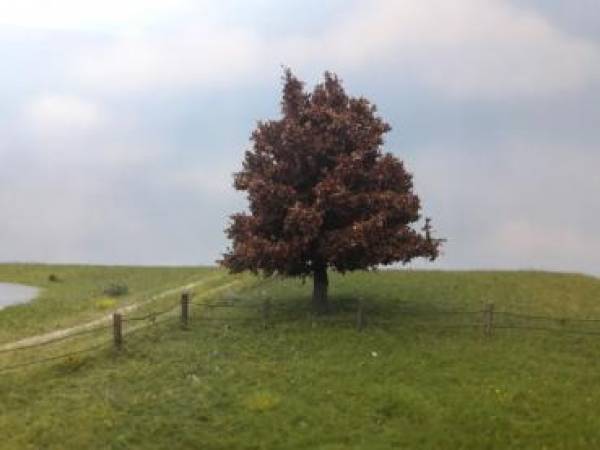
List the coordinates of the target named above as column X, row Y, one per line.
column 116, row 289
column 106, row 303
column 53, row 278
column 261, row 401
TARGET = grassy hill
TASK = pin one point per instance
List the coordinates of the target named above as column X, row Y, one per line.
column 78, row 293
column 413, row 378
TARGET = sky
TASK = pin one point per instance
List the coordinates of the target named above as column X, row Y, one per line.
column 122, row 121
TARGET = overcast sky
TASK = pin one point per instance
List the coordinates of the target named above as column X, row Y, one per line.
column 122, row 121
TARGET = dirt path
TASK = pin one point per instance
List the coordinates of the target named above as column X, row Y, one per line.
column 106, row 320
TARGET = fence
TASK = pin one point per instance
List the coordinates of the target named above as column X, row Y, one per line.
column 487, row 320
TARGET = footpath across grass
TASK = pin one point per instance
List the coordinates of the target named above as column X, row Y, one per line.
column 78, row 294
column 305, row 384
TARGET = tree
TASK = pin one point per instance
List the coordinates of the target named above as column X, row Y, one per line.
column 322, row 192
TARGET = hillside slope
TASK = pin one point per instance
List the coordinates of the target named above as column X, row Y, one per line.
column 414, row 377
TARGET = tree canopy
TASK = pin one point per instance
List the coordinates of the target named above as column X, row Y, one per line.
column 322, row 192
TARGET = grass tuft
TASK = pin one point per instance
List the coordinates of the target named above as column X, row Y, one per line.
column 261, row 401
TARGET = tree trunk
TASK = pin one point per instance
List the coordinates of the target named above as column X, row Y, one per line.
column 321, row 283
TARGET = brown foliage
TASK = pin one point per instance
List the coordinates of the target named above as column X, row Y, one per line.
column 322, row 192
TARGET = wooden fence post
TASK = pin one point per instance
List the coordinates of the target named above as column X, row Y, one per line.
column 266, row 312
column 185, row 309
column 360, row 316
column 118, row 330
column 488, row 320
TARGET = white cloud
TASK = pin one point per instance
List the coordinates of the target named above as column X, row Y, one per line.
column 57, row 115
column 210, row 179
column 62, row 131
column 542, row 242
column 515, row 204
column 85, row 14
column 464, row 48
column 200, row 56
column 106, row 184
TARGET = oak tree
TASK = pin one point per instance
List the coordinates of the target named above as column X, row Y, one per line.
column 322, row 192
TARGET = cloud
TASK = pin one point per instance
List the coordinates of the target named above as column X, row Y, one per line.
column 121, row 126
column 110, row 193
column 59, row 131
column 57, row 115
column 211, row 179
column 522, row 204
column 86, row 15
column 537, row 241
column 465, row 49
column 203, row 56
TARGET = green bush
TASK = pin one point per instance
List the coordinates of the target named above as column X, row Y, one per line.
column 116, row 289
column 105, row 303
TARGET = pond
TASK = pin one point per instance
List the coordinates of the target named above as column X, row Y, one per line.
column 12, row 294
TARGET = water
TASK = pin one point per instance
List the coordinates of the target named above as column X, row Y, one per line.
column 12, row 294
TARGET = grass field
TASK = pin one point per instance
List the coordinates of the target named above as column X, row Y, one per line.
column 78, row 294
column 408, row 383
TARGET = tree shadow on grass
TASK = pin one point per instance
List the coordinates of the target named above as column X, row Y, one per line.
column 344, row 309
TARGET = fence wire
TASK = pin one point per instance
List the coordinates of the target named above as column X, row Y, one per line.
column 52, row 358
column 151, row 315
column 150, row 325
column 55, row 340
column 550, row 318
column 273, row 313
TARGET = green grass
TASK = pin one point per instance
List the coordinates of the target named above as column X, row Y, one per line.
column 304, row 384
column 78, row 295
